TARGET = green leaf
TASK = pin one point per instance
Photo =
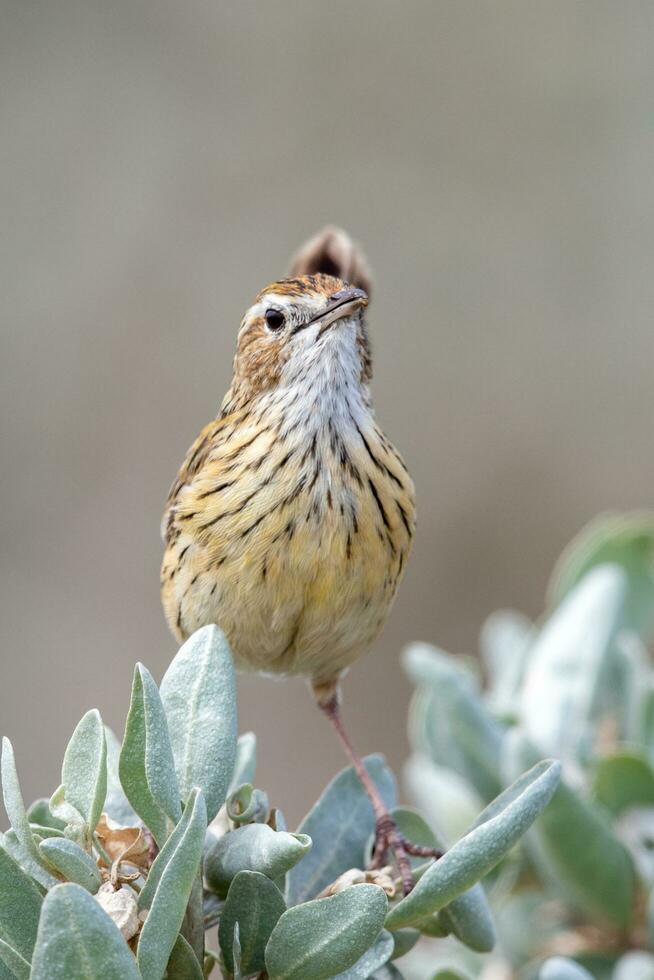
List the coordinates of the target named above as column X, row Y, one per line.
column 256, row 904
column 457, row 730
column 13, row 799
column 626, row 540
column 561, row 968
column 246, row 761
column 116, row 804
column 445, row 797
column 374, row 958
column 39, row 812
column 76, row 938
column 387, row 972
column 84, row 770
column 146, row 767
column 20, row 906
column 248, row 805
column 622, row 781
column 254, row 847
column 635, row 965
column 72, row 862
column 324, row 937
column 505, row 641
column 586, row 863
column 403, row 942
column 26, row 862
column 568, row 664
column 472, row 857
column 172, row 893
column 339, row 825
column 199, row 698
column 18, row 966
column 183, row 963
column 468, row 917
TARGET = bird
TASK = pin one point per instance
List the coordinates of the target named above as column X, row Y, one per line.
column 292, row 517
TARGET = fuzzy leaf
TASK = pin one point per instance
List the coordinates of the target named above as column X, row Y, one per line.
column 146, row 767
column 634, row 965
column 327, row 936
column 626, row 540
column 183, row 963
column 467, row 917
column 13, row 799
column 254, row 847
column 17, row 965
column 116, row 804
column 26, row 862
column 339, row 826
column 472, row 857
column 622, row 781
column 72, row 862
column 39, row 812
column 173, row 890
column 76, row 938
column 199, row 698
column 505, row 641
column 255, row 903
column 457, row 729
column 84, row 770
column 569, row 662
column 587, row 863
column 245, row 764
column 446, row 798
column 20, row 906
column 374, row 958
column 561, row 968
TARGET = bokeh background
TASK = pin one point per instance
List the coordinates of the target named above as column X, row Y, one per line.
column 161, row 160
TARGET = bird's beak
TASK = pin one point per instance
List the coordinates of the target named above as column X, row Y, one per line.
column 340, row 305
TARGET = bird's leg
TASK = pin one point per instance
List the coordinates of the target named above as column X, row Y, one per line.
column 387, row 834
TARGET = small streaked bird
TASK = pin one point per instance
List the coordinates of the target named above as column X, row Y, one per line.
column 291, row 520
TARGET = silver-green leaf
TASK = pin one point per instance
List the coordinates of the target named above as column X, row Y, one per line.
column 17, row 965
column 374, row 958
column 199, row 697
column 14, row 805
column 76, row 938
column 562, row 968
column 146, row 767
column 84, row 770
column 173, row 890
column 254, row 847
column 20, row 906
column 472, row 857
column 72, row 862
column 255, row 903
column 327, row 936
column 339, row 825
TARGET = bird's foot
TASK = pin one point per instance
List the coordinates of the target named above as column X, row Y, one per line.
column 389, row 838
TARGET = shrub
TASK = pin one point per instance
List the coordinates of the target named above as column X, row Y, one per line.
column 578, row 686
column 147, row 845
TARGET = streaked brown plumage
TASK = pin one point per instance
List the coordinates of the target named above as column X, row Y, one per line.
column 291, row 519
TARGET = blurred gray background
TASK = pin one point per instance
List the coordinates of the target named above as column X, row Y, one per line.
column 161, row 160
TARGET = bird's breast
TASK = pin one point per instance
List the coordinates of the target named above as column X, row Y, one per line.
column 293, row 538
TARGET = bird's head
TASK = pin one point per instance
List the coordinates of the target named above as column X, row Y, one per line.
column 303, row 331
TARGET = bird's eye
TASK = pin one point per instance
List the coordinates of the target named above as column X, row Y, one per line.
column 274, row 319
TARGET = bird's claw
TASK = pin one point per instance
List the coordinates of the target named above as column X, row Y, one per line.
column 389, row 838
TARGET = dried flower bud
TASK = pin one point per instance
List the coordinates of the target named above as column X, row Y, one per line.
column 120, row 905
column 383, row 877
column 123, row 843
